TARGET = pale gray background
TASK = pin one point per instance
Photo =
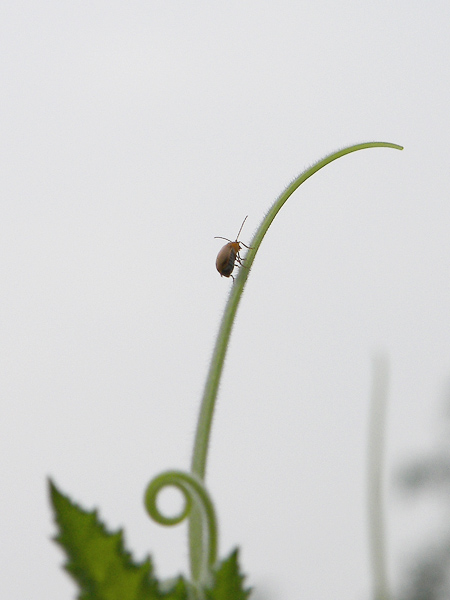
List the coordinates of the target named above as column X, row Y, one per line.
column 131, row 134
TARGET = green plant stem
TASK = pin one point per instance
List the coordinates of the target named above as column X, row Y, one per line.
column 203, row 431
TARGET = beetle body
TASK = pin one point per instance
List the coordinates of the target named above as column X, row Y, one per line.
column 229, row 255
column 227, row 258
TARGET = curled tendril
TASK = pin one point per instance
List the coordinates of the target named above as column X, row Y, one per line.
column 204, row 423
column 198, row 505
column 196, row 501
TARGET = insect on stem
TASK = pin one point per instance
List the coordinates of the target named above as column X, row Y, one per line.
column 229, row 257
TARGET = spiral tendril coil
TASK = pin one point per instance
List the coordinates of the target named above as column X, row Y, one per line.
column 197, row 499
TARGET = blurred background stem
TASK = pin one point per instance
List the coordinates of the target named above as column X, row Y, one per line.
column 375, row 471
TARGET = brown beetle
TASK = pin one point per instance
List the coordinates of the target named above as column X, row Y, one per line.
column 229, row 255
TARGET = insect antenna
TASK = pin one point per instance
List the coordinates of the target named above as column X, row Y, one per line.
column 219, row 237
column 237, row 237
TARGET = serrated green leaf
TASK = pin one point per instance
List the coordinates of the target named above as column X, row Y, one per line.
column 98, row 561
column 228, row 581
